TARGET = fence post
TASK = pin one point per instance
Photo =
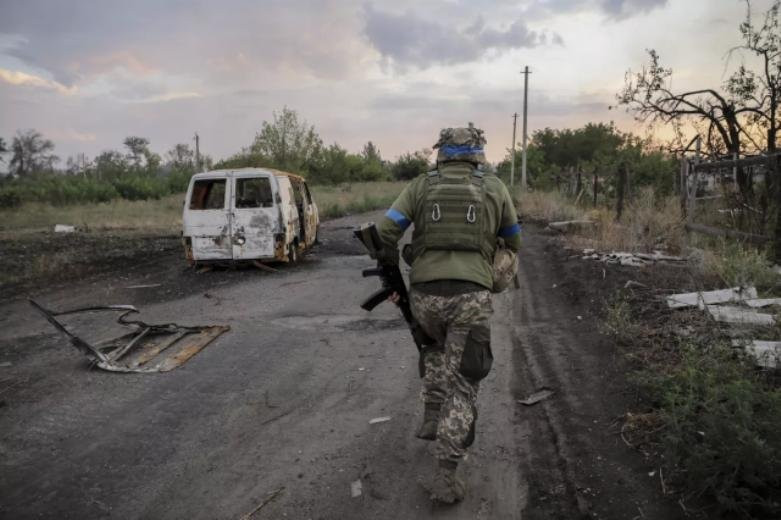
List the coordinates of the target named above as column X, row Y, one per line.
column 621, row 190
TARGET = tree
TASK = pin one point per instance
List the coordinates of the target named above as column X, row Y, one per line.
column 287, row 143
column 181, row 157
column 410, row 165
column 138, row 147
column 371, row 153
column 732, row 118
column 110, row 165
column 31, row 153
column 3, row 149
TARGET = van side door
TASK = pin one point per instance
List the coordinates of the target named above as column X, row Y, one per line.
column 311, row 216
column 255, row 217
column 207, row 220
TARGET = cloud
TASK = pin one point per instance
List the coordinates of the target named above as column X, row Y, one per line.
column 406, row 39
column 18, row 78
column 620, row 9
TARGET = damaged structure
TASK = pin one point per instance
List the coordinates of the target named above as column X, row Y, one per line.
column 146, row 348
column 248, row 214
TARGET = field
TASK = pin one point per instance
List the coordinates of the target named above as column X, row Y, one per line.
column 122, row 232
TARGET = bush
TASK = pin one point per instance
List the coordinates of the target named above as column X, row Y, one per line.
column 10, row 197
column 721, row 430
column 141, row 187
column 741, row 266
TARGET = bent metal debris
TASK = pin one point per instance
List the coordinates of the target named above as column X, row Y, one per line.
column 147, row 348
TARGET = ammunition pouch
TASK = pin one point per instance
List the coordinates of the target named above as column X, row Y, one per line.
column 477, row 358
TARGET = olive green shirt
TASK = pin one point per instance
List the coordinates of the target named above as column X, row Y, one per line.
column 433, row 264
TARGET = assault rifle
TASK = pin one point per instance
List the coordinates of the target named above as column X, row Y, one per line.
column 392, row 281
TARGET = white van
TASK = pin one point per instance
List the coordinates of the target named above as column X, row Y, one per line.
column 248, row 214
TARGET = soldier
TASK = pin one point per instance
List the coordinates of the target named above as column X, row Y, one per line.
column 460, row 213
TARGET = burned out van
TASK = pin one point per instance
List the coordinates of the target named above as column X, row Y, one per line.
column 248, row 214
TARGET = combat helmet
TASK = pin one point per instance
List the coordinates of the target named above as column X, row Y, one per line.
column 461, row 144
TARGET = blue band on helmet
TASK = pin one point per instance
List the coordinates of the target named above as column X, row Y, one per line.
column 399, row 218
column 509, row 231
column 461, row 149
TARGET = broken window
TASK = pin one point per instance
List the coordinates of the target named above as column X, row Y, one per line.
column 254, row 192
column 208, row 194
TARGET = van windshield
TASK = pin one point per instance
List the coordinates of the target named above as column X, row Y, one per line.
column 254, row 192
column 208, row 194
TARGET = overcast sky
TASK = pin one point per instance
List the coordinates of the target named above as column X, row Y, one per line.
column 86, row 74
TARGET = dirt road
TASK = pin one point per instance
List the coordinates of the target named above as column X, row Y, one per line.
column 276, row 412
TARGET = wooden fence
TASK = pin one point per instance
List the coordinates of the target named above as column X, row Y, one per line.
column 696, row 177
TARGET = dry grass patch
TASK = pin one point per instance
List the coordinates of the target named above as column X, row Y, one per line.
column 647, row 224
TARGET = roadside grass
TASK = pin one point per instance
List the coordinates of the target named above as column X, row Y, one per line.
column 347, row 199
column 709, row 417
column 738, row 265
column 647, row 222
column 164, row 215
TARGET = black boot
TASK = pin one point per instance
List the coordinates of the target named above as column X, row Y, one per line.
column 428, row 430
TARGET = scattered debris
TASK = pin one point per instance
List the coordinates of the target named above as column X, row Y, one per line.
column 356, row 488
column 135, row 351
column 5, row 364
column 263, row 267
column 378, row 420
column 271, row 496
column 731, row 314
column 64, row 228
column 630, row 259
column 145, row 286
column 763, row 302
column 702, row 298
column 540, row 395
column 631, row 283
column 566, row 226
column 766, row 353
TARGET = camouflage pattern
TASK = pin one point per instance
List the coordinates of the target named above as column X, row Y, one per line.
column 448, row 320
column 461, row 144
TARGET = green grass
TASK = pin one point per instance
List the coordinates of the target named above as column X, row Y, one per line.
column 164, row 216
column 338, row 201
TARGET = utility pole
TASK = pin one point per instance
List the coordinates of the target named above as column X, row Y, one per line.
column 525, row 112
column 512, row 160
column 197, row 152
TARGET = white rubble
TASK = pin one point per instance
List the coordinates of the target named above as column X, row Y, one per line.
column 702, row 298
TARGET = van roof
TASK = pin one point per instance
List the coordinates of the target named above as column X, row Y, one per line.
column 245, row 171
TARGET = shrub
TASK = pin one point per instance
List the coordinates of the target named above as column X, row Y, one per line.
column 721, row 430
column 739, row 265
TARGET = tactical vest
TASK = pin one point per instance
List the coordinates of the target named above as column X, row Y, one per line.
column 454, row 215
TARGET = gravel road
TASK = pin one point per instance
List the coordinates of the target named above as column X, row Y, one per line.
column 274, row 416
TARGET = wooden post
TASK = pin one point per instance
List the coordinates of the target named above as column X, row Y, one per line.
column 596, row 187
column 579, row 183
column 691, row 197
column 682, row 189
column 621, row 190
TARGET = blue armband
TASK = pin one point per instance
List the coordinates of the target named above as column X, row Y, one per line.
column 399, row 218
column 509, row 231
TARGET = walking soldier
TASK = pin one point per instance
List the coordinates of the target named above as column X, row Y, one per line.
column 460, row 214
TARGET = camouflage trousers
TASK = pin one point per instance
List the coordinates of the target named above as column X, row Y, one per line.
column 452, row 321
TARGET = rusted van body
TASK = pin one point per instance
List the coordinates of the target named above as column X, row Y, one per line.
column 248, row 214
